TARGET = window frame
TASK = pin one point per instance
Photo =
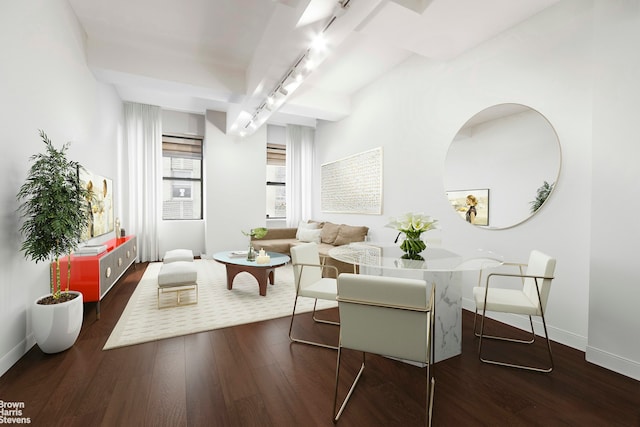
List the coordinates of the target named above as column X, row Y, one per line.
column 174, row 139
column 276, row 156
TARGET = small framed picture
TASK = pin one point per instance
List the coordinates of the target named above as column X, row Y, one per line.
column 181, row 191
column 471, row 205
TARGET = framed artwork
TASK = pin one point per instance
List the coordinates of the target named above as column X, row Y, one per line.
column 353, row 184
column 480, row 197
column 100, row 205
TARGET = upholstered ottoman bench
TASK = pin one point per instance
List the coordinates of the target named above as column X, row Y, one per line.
column 175, row 255
column 178, row 277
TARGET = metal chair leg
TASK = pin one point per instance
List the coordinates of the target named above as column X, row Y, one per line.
column 317, row 344
column 530, row 341
column 431, row 388
column 431, row 381
column 481, row 335
column 336, row 416
column 326, row 322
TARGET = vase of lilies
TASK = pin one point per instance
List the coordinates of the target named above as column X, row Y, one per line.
column 412, row 225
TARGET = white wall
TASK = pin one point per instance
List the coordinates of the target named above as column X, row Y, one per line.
column 183, row 234
column 415, row 111
column 235, row 184
column 182, row 123
column 45, row 84
column 614, row 292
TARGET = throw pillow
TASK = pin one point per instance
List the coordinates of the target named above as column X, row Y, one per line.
column 320, row 223
column 302, row 225
column 349, row 233
column 309, row 235
column 329, row 233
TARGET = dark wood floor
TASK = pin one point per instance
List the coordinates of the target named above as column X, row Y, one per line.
column 251, row 375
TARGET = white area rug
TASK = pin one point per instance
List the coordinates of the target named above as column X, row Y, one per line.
column 217, row 306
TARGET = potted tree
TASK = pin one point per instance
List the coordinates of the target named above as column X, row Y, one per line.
column 54, row 215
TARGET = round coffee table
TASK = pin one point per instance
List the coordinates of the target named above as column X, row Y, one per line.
column 262, row 272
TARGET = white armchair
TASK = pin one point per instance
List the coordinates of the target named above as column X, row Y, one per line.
column 530, row 300
column 388, row 316
column 307, row 271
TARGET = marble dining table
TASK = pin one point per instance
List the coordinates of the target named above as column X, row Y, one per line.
column 441, row 268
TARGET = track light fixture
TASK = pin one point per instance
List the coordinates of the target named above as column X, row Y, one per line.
column 296, row 74
column 319, row 43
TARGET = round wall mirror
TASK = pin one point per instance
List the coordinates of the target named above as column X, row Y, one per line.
column 507, row 158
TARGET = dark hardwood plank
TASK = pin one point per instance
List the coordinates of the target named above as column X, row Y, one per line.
column 167, row 403
column 205, row 397
column 124, row 406
column 233, row 369
column 278, row 396
column 130, row 392
column 252, row 375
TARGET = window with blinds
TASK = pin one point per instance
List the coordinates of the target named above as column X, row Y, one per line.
column 181, row 177
column 276, row 180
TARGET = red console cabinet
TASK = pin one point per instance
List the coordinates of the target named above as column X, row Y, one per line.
column 95, row 275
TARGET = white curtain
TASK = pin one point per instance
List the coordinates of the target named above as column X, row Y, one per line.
column 143, row 147
column 299, row 173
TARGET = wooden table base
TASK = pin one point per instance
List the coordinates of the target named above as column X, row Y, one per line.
column 262, row 275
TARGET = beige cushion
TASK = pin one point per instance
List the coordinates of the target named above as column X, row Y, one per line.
column 329, row 232
column 325, row 288
column 306, row 235
column 306, row 226
column 278, row 233
column 349, row 233
column 324, row 248
column 277, row 245
column 177, row 255
column 177, row 273
column 505, row 300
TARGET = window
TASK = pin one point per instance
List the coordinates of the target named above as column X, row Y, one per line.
column 181, row 177
column 276, row 181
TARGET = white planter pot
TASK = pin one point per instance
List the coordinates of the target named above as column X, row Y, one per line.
column 57, row 326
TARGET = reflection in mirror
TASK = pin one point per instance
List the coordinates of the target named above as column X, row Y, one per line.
column 508, row 153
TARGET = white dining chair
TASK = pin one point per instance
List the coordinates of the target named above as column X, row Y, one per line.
column 309, row 283
column 529, row 299
column 388, row 316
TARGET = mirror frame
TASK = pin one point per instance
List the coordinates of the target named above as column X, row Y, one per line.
column 486, row 121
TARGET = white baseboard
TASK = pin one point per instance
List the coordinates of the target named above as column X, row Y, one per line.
column 593, row 355
column 522, row 322
column 10, row 359
column 613, row 362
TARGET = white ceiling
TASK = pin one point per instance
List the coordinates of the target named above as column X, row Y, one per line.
column 227, row 55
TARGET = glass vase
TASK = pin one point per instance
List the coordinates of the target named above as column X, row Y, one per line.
column 251, row 253
column 412, row 246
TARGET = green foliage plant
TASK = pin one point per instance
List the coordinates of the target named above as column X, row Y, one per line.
column 54, row 212
column 256, row 233
column 541, row 196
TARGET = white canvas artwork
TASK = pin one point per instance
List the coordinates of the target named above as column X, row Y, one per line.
column 353, row 184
